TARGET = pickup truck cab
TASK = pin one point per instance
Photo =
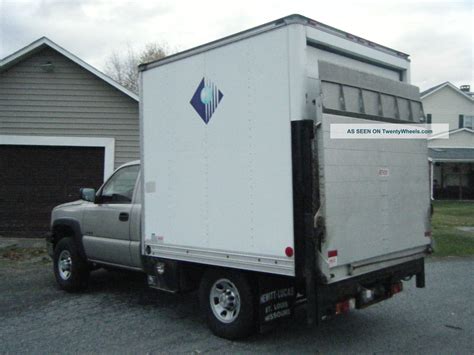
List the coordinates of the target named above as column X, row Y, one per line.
column 100, row 229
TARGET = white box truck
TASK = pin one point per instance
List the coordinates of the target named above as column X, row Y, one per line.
column 237, row 161
column 245, row 196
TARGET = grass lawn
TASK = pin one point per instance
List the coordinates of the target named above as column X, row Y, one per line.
column 450, row 241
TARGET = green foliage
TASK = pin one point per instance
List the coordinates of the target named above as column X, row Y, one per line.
column 449, row 240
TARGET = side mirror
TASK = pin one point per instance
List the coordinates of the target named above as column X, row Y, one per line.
column 87, row 194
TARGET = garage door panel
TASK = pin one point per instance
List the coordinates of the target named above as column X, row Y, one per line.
column 76, row 173
column 9, row 213
column 72, row 192
column 41, row 192
column 13, row 193
column 34, row 179
column 78, row 182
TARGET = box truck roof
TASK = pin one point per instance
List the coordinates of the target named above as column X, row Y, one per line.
column 285, row 21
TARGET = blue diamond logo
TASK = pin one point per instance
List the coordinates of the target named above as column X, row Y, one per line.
column 206, row 98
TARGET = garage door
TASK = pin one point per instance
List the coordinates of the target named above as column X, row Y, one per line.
column 34, row 179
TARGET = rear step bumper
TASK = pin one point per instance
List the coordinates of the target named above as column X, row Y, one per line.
column 381, row 283
column 388, row 260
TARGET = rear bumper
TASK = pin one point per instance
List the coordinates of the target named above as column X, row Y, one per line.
column 381, row 280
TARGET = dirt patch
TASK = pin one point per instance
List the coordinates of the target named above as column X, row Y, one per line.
column 15, row 254
column 22, row 251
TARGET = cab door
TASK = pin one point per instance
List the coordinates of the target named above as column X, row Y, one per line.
column 106, row 223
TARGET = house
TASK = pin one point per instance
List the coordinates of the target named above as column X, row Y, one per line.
column 451, row 153
column 63, row 125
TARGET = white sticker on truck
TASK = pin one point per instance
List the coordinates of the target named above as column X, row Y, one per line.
column 332, row 258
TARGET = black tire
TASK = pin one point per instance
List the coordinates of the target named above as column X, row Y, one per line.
column 242, row 323
column 67, row 253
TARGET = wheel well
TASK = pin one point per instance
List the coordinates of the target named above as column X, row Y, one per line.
column 194, row 273
column 61, row 231
column 250, row 275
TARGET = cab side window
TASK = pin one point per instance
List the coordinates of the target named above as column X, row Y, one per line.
column 119, row 188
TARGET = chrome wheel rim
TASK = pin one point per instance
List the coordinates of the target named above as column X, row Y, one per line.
column 225, row 301
column 65, row 264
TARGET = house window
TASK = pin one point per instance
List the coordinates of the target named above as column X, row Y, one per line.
column 468, row 122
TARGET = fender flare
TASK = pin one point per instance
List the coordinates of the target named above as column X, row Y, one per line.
column 75, row 226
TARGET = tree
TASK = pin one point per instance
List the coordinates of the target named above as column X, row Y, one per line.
column 123, row 67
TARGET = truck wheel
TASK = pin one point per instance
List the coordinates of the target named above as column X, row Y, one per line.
column 70, row 269
column 227, row 301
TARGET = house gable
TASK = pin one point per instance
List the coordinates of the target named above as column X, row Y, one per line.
column 462, row 138
column 44, row 42
column 446, row 104
column 48, row 94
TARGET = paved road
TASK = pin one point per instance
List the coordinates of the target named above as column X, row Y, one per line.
column 119, row 314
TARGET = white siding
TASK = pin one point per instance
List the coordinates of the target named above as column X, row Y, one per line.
column 69, row 101
column 446, row 105
column 463, row 139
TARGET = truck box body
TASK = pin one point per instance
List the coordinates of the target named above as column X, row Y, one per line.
column 218, row 153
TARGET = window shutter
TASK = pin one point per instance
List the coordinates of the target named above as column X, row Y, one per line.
column 461, row 121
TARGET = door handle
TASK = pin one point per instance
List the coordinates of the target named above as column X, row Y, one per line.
column 123, row 216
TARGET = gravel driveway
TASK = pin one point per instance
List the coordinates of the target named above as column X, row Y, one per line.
column 118, row 314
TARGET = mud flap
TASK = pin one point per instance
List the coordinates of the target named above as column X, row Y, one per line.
column 275, row 301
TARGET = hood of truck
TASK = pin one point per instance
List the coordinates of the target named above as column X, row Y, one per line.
column 71, row 204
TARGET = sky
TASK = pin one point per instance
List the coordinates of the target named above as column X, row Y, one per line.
column 438, row 34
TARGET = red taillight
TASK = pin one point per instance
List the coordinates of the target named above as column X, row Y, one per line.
column 342, row 307
column 289, row 252
column 332, row 253
column 345, row 306
column 396, row 288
